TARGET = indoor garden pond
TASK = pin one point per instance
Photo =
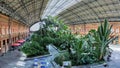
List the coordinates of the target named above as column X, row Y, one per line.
column 80, row 50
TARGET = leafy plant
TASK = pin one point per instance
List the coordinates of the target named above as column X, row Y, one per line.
column 83, row 50
column 53, row 31
column 62, row 57
column 91, row 47
column 104, row 31
column 32, row 48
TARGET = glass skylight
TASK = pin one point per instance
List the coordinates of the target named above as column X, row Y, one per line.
column 54, row 7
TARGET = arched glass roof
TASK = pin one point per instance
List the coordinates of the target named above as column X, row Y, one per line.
column 90, row 11
column 70, row 11
column 54, row 7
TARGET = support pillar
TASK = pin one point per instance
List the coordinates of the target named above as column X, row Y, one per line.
column 84, row 28
column 9, row 32
column 118, row 39
column 0, row 47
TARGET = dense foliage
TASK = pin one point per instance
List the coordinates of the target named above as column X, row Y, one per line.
column 90, row 48
column 79, row 50
column 52, row 31
column 57, row 33
column 32, row 48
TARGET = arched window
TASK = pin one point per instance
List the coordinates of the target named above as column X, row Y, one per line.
column 7, row 41
column 4, row 42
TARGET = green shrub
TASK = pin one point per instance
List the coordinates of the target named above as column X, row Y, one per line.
column 89, row 48
column 32, row 48
column 62, row 57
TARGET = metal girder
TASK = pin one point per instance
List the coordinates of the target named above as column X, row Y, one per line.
column 25, row 9
column 116, row 19
column 65, row 19
column 98, row 6
column 4, row 6
column 92, row 8
column 60, row 6
column 54, row 5
column 34, row 10
column 72, row 13
column 12, row 1
column 25, row 5
column 10, row 10
column 41, row 9
column 78, row 11
column 101, row 6
column 112, row 5
column 76, row 15
column 81, row 5
column 85, row 10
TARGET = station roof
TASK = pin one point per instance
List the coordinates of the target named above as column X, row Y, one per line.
column 70, row 11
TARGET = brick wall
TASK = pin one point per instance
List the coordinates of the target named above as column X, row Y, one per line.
column 83, row 29
column 10, row 31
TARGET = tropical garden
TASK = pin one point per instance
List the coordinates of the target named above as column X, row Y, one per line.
column 87, row 49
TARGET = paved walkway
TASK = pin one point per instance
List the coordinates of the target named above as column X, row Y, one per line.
column 115, row 58
column 12, row 56
column 15, row 59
